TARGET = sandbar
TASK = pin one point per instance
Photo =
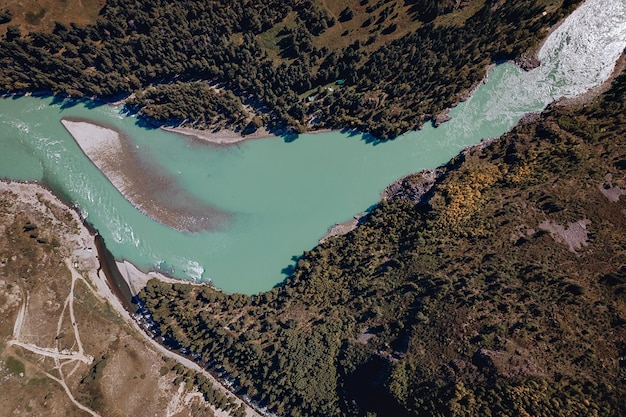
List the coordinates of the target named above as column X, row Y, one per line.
column 154, row 193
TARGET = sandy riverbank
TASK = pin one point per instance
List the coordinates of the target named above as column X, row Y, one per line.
column 219, row 137
column 157, row 195
column 230, row 137
column 137, row 280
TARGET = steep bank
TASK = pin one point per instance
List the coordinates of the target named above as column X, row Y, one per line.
column 115, row 279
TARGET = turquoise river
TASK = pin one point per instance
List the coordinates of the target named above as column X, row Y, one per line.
column 283, row 196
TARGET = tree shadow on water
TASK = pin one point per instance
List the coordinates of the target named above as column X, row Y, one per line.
column 147, row 124
column 290, row 137
column 67, row 102
column 290, row 269
column 371, row 139
column 368, row 138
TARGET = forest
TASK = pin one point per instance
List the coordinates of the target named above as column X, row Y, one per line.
column 499, row 288
column 380, row 66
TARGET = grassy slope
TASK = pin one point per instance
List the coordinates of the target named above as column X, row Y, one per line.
column 467, row 303
column 40, row 15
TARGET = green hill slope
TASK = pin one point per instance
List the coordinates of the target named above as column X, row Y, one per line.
column 499, row 291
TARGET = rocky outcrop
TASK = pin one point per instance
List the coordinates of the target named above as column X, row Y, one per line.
column 442, row 117
column 528, row 62
column 413, row 187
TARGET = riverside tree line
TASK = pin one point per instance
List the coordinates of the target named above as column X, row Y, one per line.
column 400, row 63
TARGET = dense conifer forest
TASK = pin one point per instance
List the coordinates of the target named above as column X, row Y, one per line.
column 380, row 66
column 499, row 289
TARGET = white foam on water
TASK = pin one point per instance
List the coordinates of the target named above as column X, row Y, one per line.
column 20, row 126
column 578, row 55
column 581, row 53
column 194, row 270
column 131, row 236
column 122, row 232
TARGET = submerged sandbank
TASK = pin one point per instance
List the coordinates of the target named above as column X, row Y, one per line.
column 157, row 195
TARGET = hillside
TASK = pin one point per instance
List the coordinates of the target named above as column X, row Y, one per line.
column 380, row 66
column 64, row 349
column 496, row 290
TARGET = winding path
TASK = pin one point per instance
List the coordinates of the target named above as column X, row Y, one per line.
column 65, row 355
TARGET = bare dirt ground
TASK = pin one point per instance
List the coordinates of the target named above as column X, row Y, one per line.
column 67, row 348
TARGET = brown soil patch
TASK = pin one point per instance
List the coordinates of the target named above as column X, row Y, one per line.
column 574, row 235
column 40, row 15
